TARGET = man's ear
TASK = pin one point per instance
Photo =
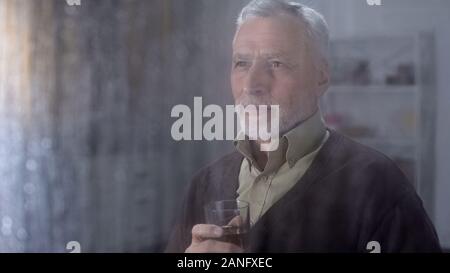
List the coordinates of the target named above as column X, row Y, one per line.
column 324, row 78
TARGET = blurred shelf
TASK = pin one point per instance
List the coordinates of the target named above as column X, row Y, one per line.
column 410, row 142
column 394, row 147
column 383, row 95
column 374, row 89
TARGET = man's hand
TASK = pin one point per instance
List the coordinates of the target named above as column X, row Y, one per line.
column 205, row 239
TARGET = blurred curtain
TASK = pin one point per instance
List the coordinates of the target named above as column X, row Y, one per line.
column 85, row 99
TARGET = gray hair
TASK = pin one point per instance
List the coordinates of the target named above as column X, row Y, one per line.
column 316, row 26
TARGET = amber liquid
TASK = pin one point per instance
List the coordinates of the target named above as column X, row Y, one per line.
column 235, row 235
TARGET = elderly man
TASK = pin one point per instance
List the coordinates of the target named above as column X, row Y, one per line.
column 319, row 191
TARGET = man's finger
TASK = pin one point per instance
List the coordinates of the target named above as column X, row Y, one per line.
column 236, row 221
column 202, row 232
column 214, row 246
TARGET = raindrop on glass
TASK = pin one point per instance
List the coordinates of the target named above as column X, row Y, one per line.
column 28, row 188
column 21, row 234
column 46, row 143
column 31, row 165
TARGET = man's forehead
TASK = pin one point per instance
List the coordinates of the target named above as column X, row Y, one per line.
column 255, row 36
column 268, row 27
column 277, row 43
column 279, row 48
column 244, row 53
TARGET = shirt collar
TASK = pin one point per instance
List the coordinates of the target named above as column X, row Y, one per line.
column 293, row 145
column 304, row 138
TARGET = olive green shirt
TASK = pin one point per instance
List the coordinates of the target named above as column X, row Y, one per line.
column 263, row 187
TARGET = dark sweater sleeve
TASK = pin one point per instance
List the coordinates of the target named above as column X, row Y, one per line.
column 407, row 228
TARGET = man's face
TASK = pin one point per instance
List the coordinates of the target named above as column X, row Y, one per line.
column 273, row 65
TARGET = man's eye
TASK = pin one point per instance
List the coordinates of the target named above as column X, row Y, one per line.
column 277, row 64
column 241, row 64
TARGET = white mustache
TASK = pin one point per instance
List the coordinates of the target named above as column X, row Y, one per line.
column 286, row 118
column 246, row 100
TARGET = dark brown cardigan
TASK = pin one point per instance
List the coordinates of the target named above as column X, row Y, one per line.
column 350, row 195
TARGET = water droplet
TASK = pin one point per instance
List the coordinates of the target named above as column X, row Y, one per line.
column 7, row 221
column 31, row 165
column 29, row 188
column 28, row 205
column 22, row 234
column 46, row 143
column 6, row 225
column 6, row 231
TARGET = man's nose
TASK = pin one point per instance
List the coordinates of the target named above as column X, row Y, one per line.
column 257, row 91
column 257, row 81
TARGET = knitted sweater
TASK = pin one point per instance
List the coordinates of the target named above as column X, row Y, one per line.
column 351, row 195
